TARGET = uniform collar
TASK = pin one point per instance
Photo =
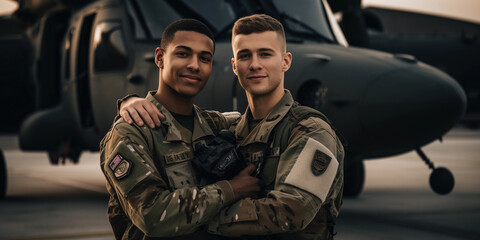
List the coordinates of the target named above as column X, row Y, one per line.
column 173, row 127
column 263, row 129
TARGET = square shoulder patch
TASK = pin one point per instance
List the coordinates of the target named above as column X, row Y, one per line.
column 314, row 170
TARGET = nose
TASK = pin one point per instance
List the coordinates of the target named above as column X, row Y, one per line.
column 255, row 63
column 405, row 107
column 193, row 64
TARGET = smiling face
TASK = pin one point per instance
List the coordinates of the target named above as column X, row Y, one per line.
column 186, row 63
column 260, row 62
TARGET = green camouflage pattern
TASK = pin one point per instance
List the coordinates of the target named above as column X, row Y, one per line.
column 283, row 211
column 159, row 196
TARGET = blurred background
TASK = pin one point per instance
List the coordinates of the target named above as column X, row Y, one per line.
column 400, row 79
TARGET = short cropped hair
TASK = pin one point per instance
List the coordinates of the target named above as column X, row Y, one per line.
column 186, row 24
column 258, row 23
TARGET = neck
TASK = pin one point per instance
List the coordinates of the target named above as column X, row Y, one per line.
column 262, row 105
column 173, row 101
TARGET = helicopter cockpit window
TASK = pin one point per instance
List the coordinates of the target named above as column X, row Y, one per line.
column 306, row 18
column 135, row 19
column 157, row 15
column 217, row 14
column 110, row 51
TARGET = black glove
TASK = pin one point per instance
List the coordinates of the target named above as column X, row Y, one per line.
column 218, row 159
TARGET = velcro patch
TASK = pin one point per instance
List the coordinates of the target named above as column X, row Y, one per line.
column 320, row 163
column 121, row 167
column 314, row 170
column 114, row 163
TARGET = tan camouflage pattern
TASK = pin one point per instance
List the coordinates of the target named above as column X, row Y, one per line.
column 160, row 196
column 285, row 211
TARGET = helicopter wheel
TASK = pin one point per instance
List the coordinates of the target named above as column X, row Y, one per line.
column 354, row 177
column 441, row 180
column 3, row 176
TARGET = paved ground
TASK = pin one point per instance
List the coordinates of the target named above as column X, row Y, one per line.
column 69, row 202
column 397, row 202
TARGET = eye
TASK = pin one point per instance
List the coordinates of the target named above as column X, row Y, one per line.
column 244, row 56
column 205, row 59
column 181, row 54
column 265, row 54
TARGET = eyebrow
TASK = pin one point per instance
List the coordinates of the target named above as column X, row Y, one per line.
column 190, row 50
column 259, row 50
column 243, row 51
column 265, row 50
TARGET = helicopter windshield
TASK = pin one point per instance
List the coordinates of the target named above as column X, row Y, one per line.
column 158, row 14
column 307, row 20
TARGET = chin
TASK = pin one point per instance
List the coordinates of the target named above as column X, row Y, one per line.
column 259, row 92
column 256, row 91
column 189, row 92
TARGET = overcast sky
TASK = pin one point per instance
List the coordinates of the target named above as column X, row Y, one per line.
column 461, row 9
column 6, row 7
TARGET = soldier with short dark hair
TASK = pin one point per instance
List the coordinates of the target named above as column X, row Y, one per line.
column 298, row 152
column 154, row 191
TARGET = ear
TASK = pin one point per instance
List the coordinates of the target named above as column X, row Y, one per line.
column 159, row 57
column 234, row 66
column 287, row 61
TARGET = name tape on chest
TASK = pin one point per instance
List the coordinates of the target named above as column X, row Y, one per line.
column 314, row 170
column 178, row 157
column 120, row 166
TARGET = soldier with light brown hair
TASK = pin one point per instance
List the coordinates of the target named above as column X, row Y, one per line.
column 259, row 23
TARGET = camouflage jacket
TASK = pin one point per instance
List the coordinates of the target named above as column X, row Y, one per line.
column 154, row 191
column 303, row 172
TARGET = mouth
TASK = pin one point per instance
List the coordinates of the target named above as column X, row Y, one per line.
column 256, row 77
column 190, row 77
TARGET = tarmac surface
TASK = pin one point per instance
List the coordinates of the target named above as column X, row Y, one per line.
column 70, row 201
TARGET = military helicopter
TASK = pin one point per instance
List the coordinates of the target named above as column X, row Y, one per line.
column 382, row 104
column 445, row 42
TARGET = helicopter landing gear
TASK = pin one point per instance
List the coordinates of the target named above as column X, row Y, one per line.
column 441, row 179
column 64, row 151
column 3, row 176
column 354, row 178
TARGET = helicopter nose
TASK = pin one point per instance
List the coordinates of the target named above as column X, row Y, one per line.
column 410, row 107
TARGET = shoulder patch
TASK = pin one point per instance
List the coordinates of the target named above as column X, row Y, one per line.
column 114, row 163
column 314, row 170
column 121, row 167
column 320, row 162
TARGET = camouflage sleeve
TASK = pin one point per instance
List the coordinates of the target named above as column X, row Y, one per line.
column 289, row 207
column 144, row 195
column 214, row 119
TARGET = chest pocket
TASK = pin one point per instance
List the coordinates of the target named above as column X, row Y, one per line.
column 269, row 172
column 270, row 169
column 179, row 169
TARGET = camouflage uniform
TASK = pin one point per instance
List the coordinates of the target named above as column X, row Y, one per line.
column 303, row 172
column 153, row 189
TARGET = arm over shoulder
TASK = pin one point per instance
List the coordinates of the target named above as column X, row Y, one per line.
column 128, row 164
